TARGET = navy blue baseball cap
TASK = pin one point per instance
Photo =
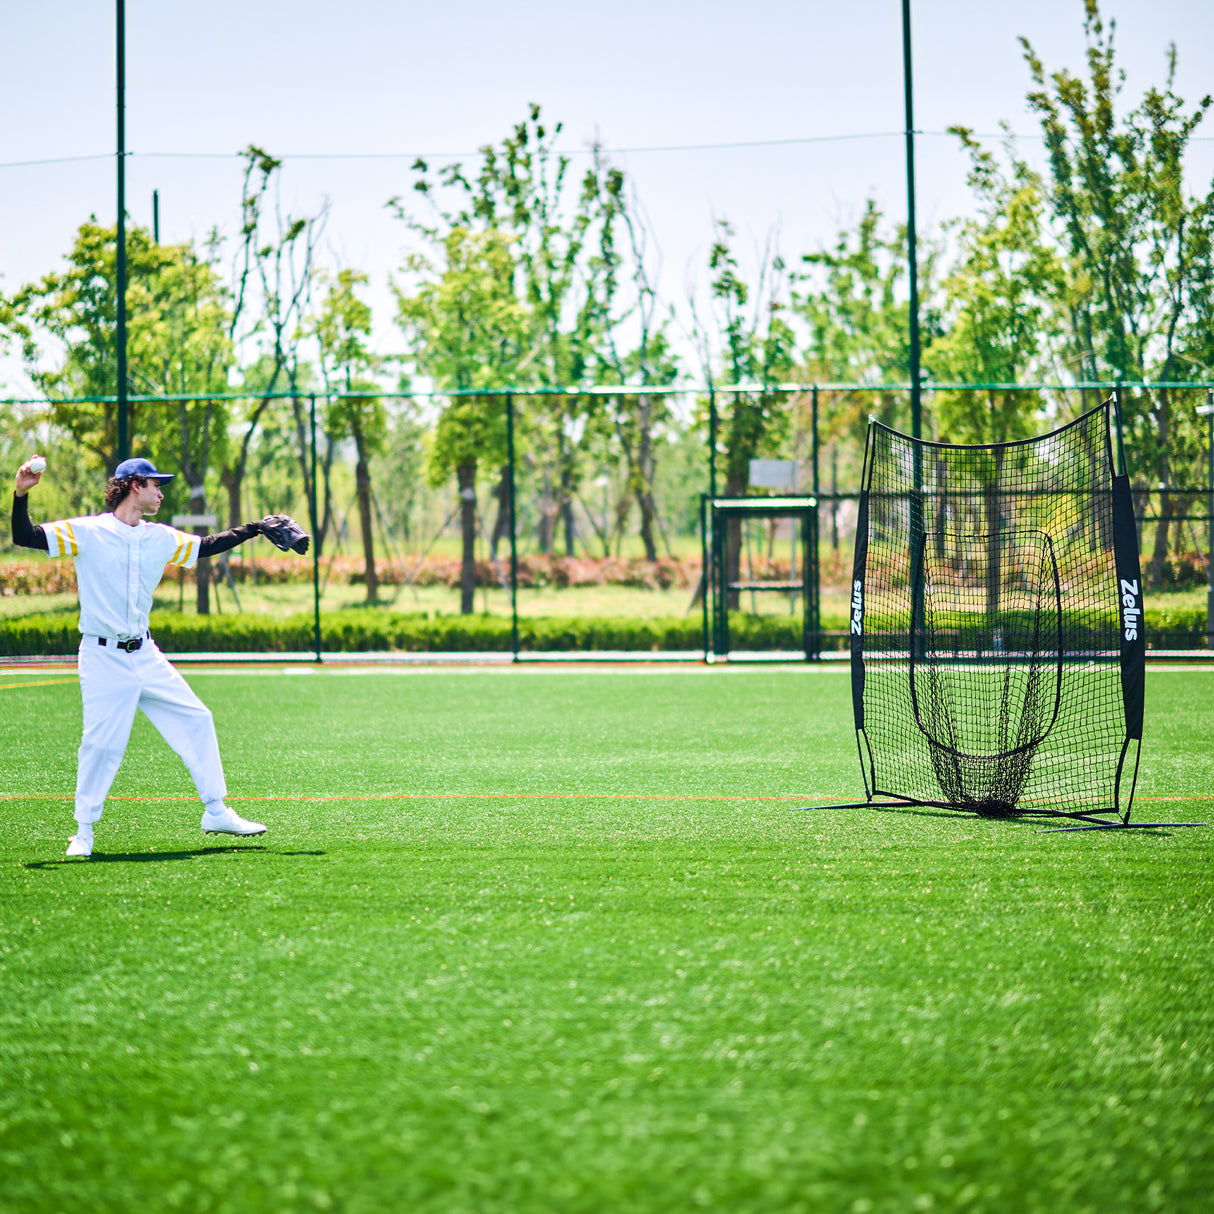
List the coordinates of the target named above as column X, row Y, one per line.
column 141, row 467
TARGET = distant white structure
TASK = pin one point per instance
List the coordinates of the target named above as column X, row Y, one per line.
column 773, row 473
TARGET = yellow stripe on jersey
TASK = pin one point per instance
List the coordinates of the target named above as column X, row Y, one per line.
column 185, row 547
column 65, row 541
column 72, row 536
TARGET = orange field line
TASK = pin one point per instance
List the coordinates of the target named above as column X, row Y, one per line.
column 507, row 796
column 37, row 683
column 442, row 796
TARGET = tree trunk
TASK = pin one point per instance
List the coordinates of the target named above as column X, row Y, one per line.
column 1159, row 554
column 834, row 500
column 466, row 478
column 232, row 479
column 645, row 472
column 993, row 542
column 362, row 479
column 501, row 525
column 648, row 511
column 623, row 508
column 304, row 451
column 734, row 487
column 202, row 570
column 942, row 509
column 545, row 527
column 567, row 512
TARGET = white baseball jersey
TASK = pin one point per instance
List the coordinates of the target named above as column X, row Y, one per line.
column 118, row 568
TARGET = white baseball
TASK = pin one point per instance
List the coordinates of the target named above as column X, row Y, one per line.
column 37, row 464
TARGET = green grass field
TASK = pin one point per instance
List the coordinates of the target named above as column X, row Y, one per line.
column 545, row 939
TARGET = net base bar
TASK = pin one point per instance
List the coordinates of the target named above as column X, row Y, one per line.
column 1089, row 819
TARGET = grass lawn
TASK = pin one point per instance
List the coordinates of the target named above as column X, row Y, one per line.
column 557, row 940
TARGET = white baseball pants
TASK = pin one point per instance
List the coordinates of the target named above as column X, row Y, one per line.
column 113, row 684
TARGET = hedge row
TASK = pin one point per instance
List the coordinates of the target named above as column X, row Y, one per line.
column 362, row 631
column 371, row 631
column 41, row 576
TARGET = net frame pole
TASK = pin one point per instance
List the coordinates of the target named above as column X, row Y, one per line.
column 1133, row 642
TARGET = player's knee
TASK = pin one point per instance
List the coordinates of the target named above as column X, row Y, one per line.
column 98, row 752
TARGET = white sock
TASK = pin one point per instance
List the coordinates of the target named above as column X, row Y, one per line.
column 215, row 807
column 84, row 831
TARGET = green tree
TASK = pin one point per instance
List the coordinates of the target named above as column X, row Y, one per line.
column 343, row 332
column 750, row 345
column 852, row 301
column 524, row 192
column 466, row 330
column 999, row 300
column 176, row 344
column 635, row 348
column 1136, row 245
column 273, row 268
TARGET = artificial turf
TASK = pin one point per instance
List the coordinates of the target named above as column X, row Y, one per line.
column 562, row 940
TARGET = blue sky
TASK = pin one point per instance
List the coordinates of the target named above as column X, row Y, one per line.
column 386, row 81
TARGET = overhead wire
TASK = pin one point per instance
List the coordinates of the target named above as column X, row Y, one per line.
column 731, row 145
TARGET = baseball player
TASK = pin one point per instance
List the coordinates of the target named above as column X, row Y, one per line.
column 120, row 559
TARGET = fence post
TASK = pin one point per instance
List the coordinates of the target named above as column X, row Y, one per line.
column 312, row 509
column 1208, row 410
column 513, row 529
column 815, row 540
column 705, row 580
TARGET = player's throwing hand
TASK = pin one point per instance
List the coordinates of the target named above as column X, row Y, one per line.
column 29, row 474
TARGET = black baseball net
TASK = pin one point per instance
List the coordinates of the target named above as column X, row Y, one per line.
column 997, row 648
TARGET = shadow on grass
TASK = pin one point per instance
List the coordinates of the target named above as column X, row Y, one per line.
column 152, row 857
column 881, row 807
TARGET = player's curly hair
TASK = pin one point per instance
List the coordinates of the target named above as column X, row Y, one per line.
column 118, row 488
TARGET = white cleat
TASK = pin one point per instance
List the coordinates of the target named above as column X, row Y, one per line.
column 228, row 822
column 80, row 845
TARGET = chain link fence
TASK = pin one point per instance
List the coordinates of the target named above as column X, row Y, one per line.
column 521, row 522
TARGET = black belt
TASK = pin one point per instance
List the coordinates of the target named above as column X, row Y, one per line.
column 127, row 646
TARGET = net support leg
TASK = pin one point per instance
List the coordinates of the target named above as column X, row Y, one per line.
column 1053, row 830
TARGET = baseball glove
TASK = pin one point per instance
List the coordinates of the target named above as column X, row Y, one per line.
column 284, row 532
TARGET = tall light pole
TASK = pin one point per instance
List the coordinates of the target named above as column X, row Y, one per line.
column 120, row 286
column 912, row 254
column 1207, row 411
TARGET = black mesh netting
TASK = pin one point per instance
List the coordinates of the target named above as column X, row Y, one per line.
column 989, row 666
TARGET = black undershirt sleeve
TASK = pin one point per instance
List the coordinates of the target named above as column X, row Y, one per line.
column 213, row 545
column 25, row 535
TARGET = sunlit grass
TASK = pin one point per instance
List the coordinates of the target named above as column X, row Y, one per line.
column 533, row 940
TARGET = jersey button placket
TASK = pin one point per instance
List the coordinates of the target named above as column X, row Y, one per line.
column 132, row 580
